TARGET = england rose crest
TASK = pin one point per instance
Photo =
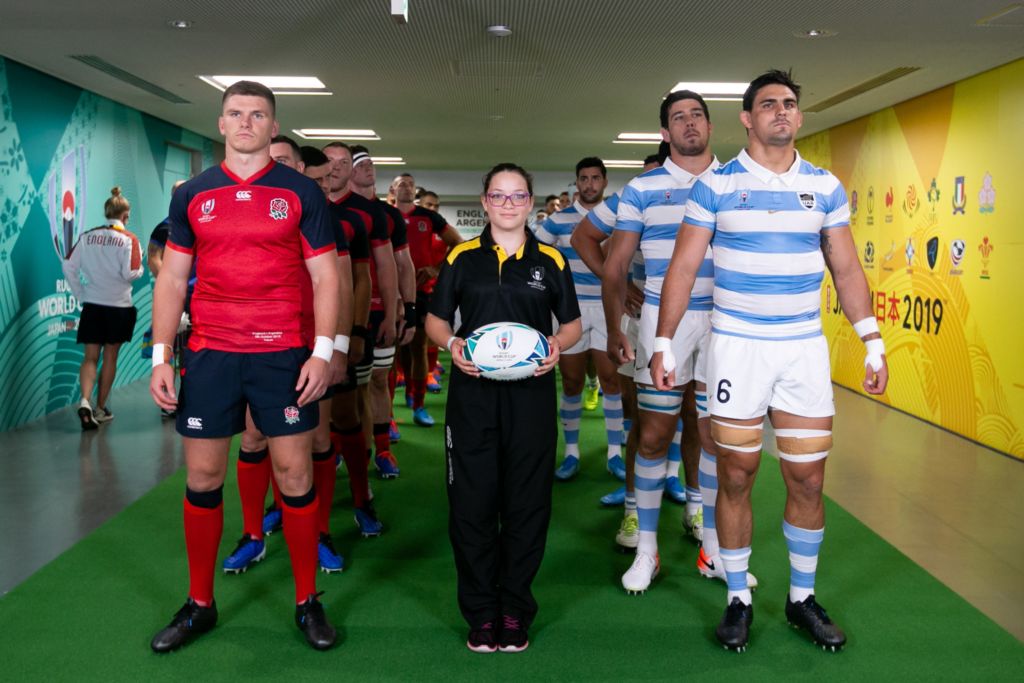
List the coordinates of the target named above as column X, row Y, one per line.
column 291, row 415
column 278, row 209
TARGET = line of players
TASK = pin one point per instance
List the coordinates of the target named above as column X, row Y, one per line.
column 730, row 261
column 254, row 228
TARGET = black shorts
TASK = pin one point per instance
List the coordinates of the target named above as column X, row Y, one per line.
column 106, row 324
column 216, row 387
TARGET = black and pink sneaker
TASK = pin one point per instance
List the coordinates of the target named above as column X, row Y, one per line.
column 513, row 635
column 482, row 639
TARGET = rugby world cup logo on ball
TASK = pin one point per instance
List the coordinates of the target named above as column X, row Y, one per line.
column 506, row 351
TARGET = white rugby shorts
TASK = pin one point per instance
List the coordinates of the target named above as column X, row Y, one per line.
column 747, row 376
column 689, row 345
column 595, row 333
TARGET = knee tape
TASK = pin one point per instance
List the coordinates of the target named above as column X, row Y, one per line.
column 803, row 445
column 702, row 403
column 383, row 359
column 741, row 438
column 650, row 399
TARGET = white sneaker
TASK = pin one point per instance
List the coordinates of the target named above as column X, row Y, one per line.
column 629, row 531
column 712, row 568
column 637, row 578
column 103, row 415
column 694, row 525
column 85, row 416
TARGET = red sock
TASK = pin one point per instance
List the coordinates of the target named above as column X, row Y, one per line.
column 300, row 532
column 431, row 358
column 419, row 390
column 393, row 382
column 203, row 529
column 381, row 440
column 353, row 449
column 253, row 480
column 324, row 477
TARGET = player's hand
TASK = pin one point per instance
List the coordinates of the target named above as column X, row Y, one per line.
column 339, row 367
column 161, row 387
column 875, row 381
column 664, row 378
column 619, row 348
column 356, row 349
column 312, row 380
column 554, row 353
column 388, row 330
column 634, row 299
column 460, row 361
column 425, row 275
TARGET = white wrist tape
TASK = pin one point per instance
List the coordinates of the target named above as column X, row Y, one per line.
column 323, row 348
column 663, row 345
column 341, row 343
column 160, row 352
column 866, row 326
column 451, row 340
column 875, row 348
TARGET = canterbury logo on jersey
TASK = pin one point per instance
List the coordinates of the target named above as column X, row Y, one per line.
column 194, row 423
column 243, row 195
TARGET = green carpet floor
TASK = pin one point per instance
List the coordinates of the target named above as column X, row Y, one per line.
column 89, row 614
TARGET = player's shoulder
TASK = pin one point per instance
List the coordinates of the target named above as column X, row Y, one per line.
column 467, row 247
column 549, row 253
column 287, row 178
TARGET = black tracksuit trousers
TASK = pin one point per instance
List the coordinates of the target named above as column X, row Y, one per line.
column 500, row 443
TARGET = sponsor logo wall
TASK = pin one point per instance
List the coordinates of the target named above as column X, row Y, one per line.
column 61, row 150
column 950, row 309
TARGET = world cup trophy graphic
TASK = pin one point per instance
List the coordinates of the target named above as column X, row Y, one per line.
column 67, row 206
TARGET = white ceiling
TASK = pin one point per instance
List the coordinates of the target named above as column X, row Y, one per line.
column 444, row 94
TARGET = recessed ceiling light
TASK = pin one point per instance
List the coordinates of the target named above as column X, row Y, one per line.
column 499, row 31
column 638, row 139
column 715, row 89
column 623, row 163
column 179, row 23
column 336, row 133
column 280, row 85
column 388, row 161
column 815, row 33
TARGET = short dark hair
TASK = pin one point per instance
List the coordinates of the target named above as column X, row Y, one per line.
column 427, row 193
column 653, row 159
column 284, row 139
column 250, row 89
column 664, row 152
column 674, row 97
column 550, row 198
column 312, row 157
column 337, row 145
column 772, row 77
column 591, row 162
column 509, row 167
column 356, row 149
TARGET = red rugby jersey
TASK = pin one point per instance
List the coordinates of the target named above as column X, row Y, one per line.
column 422, row 226
column 250, row 238
column 376, row 222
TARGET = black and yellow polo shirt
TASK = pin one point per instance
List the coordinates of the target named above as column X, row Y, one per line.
column 488, row 286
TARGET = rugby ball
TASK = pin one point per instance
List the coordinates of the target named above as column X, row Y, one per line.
column 506, row 351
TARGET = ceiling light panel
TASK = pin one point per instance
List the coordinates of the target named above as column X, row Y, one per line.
column 280, row 85
column 336, row 133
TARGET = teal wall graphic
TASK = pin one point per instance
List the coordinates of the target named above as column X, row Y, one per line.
column 61, row 150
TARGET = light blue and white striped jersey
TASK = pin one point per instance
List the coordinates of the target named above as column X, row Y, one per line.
column 557, row 231
column 767, row 245
column 603, row 216
column 653, row 204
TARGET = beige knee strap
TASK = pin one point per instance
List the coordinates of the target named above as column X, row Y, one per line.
column 741, row 438
column 803, row 445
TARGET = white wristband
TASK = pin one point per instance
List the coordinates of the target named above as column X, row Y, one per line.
column 341, row 343
column 875, row 350
column 159, row 354
column 323, row 348
column 866, row 326
column 663, row 345
column 451, row 340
